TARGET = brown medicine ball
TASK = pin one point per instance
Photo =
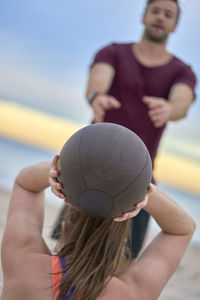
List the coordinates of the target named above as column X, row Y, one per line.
column 105, row 169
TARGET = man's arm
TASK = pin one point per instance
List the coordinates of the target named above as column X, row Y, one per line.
column 160, row 111
column 180, row 98
column 100, row 80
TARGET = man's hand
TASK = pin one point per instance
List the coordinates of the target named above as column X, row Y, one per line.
column 102, row 103
column 159, row 110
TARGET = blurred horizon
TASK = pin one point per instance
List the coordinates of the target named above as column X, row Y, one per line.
column 47, row 48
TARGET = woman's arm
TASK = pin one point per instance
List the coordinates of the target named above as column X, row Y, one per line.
column 169, row 215
column 158, row 262
column 27, row 198
column 24, row 225
column 34, row 178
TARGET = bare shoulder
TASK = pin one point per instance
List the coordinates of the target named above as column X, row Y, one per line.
column 148, row 276
column 31, row 279
column 116, row 289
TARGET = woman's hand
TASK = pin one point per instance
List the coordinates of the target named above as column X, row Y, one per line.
column 56, row 187
column 137, row 208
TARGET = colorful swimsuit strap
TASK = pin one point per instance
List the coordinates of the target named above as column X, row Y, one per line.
column 58, row 266
column 63, row 265
column 56, row 275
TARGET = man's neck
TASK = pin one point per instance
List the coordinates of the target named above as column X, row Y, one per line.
column 150, row 53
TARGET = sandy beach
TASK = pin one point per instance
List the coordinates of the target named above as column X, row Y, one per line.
column 185, row 283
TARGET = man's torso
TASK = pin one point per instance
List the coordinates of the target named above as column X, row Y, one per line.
column 131, row 83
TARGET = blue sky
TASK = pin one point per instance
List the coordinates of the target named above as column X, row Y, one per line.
column 47, row 46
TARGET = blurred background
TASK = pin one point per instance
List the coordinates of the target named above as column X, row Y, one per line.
column 46, row 49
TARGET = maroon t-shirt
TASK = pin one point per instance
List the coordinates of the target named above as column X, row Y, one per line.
column 132, row 81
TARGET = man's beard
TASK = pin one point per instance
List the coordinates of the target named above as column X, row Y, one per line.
column 154, row 38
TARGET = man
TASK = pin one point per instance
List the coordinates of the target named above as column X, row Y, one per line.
column 142, row 86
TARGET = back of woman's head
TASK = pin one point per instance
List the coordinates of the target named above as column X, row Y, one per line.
column 105, row 170
column 92, row 247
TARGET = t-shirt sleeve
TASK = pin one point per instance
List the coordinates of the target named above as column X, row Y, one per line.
column 107, row 55
column 187, row 76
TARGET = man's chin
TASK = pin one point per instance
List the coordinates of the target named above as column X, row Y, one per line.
column 159, row 39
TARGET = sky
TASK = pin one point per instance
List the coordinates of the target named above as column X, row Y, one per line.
column 47, row 47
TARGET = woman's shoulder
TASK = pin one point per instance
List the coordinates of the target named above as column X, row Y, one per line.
column 30, row 276
column 118, row 289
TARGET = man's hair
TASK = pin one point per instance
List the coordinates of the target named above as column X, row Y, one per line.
column 175, row 1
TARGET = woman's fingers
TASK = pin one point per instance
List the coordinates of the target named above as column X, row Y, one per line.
column 54, row 162
column 56, row 187
column 53, row 173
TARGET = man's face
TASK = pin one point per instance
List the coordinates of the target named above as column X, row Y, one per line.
column 160, row 19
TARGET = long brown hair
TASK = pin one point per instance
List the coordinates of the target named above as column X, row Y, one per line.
column 92, row 247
